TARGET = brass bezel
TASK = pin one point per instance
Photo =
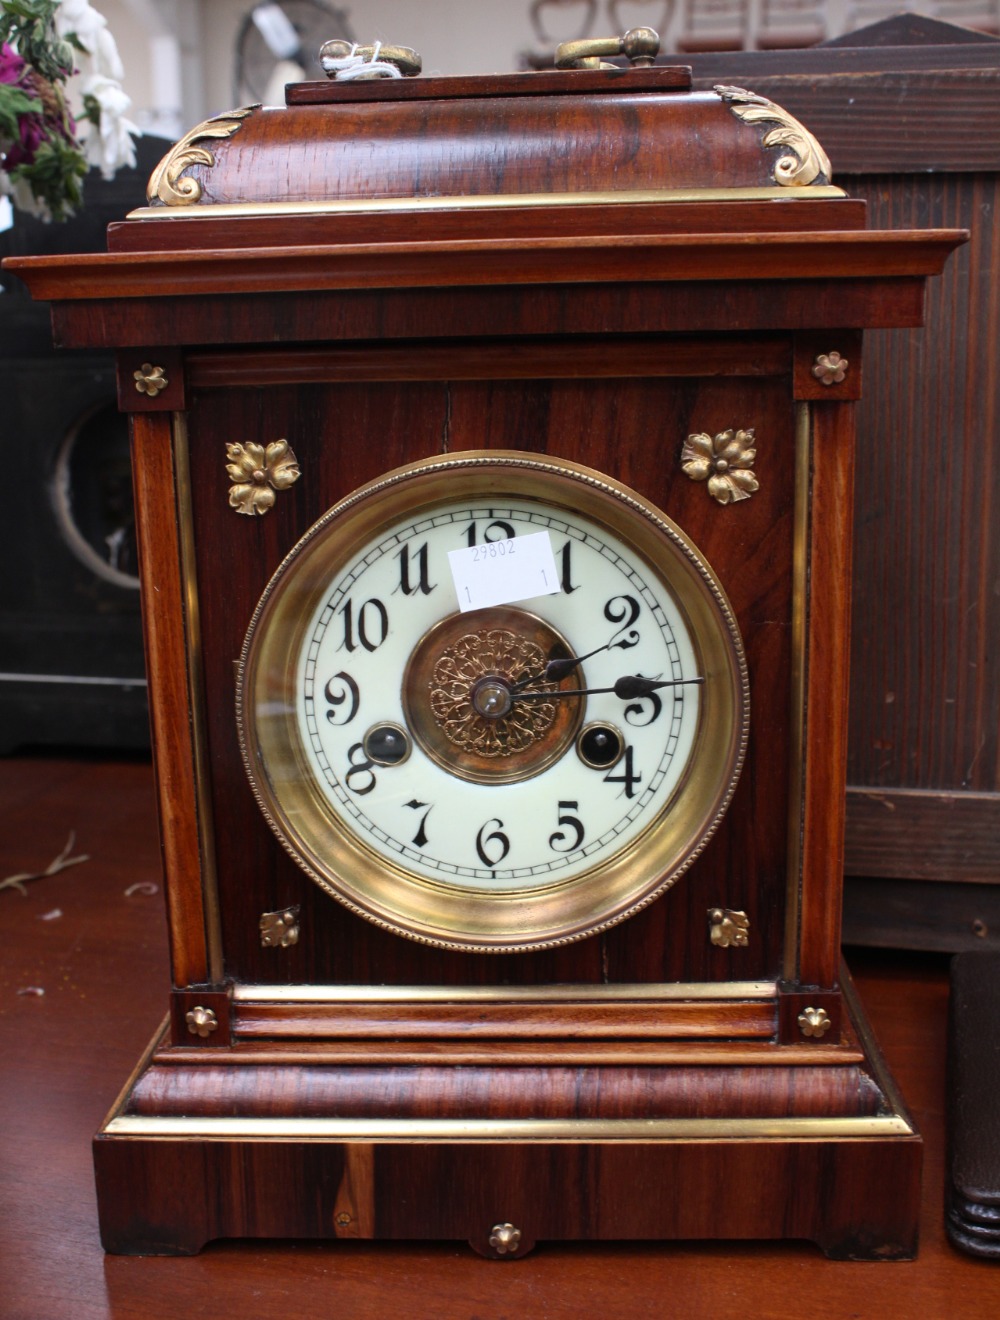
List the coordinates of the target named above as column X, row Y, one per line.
column 388, row 894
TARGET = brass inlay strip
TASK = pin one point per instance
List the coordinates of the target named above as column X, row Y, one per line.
column 800, row 604
column 192, row 628
column 487, row 1129
column 545, row 1052
column 542, row 994
column 504, row 201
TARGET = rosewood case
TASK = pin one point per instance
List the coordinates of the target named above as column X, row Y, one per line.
column 593, row 265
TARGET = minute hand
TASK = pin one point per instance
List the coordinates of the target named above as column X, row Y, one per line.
column 628, row 688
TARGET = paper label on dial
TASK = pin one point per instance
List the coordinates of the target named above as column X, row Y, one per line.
column 502, row 572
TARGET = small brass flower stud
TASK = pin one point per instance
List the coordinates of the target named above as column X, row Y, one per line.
column 724, row 461
column 150, row 380
column 830, row 368
column 201, row 1021
column 505, row 1239
column 256, row 473
column 814, row 1022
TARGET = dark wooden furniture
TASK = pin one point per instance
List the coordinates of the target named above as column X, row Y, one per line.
column 71, row 659
column 907, row 111
column 66, row 1051
column 598, row 267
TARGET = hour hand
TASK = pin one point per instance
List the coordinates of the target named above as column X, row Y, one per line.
column 559, row 668
column 629, row 687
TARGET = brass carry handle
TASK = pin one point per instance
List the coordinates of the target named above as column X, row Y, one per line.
column 641, row 45
column 334, row 54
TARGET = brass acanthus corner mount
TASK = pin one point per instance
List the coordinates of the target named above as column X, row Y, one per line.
column 167, row 184
column 807, row 162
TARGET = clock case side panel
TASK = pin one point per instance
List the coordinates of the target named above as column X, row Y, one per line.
column 171, row 630
column 632, row 426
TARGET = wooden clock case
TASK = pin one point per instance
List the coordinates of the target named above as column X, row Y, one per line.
column 591, row 265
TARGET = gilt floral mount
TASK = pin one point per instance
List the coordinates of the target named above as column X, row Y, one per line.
column 257, row 472
column 725, row 461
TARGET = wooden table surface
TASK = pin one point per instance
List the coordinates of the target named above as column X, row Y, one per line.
column 97, row 949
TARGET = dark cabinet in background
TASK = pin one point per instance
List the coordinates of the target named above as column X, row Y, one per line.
column 907, row 111
column 71, row 658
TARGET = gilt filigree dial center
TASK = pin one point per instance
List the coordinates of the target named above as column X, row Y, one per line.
column 461, row 703
column 470, row 693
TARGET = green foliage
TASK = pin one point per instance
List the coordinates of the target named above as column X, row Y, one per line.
column 15, row 102
column 27, row 26
column 54, row 176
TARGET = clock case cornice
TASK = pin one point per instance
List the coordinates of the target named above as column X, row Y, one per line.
column 573, row 179
column 676, row 285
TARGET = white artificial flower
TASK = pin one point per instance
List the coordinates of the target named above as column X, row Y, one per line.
column 24, row 199
column 109, row 145
column 79, row 19
column 106, row 56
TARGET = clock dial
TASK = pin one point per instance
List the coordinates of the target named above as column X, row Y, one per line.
column 513, row 775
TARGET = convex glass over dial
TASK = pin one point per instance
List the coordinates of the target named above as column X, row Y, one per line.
column 493, row 776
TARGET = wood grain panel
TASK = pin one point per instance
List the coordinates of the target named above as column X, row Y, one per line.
column 85, row 1035
column 540, row 1092
column 826, row 682
column 717, row 216
column 453, row 313
column 165, row 617
column 498, row 359
column 547, row 82
column 591, row 259
column 527, row 1020
column 920, row 834
column 926, row 694
column 632, row 428
column 843, row 1204
column 857, row 117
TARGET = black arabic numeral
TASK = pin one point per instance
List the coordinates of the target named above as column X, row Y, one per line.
column 495, row 531
column 566, row 569
column 423, row 583
column 340, row 689
column 420, row 838
column 557, row 840
column 360, row 766
column 623, row 610
column 628, row 777
column 639, row 708
column 372, row 625
column 496, row 836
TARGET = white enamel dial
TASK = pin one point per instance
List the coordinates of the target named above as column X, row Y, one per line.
column 511, row 776
column 514, row 826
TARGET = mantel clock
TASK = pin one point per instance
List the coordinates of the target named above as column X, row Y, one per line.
column 493, row 448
